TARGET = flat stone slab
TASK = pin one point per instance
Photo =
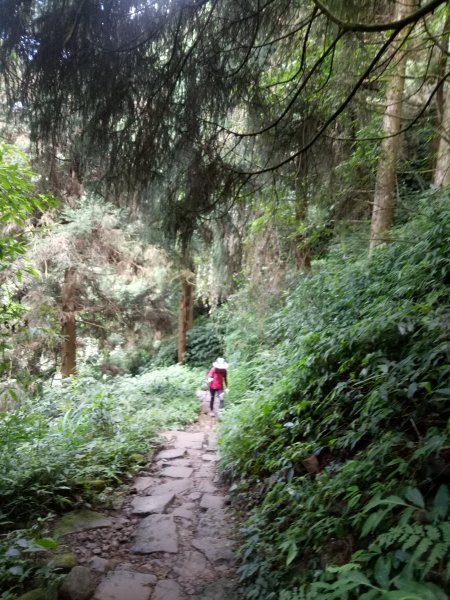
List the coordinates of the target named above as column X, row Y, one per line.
column 192, row 566
column 171, row 453
column 212, row 441
column 125, row 584
column 209, row 457
column 206, row 487
column 184, row 512
column 177, row 472
column 210, row 501
column 177, row 486
column 206, row 471
column 156, row 533
column 195, row 496
column 147, row 505
column 168, row 589
column 181, row 462
column 185, row 439
column 213, row 519
column 81, row 520
column 143, row 483
column 215, row 549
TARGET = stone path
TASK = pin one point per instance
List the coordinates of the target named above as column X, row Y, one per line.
column 173, row 537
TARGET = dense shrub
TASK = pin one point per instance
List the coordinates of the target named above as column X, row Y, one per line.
column 85, row 435
column 204, row 343
column 356, row 385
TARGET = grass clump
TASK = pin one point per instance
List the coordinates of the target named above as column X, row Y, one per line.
column 344, row 455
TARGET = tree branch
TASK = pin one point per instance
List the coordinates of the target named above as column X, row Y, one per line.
column 395, row 25
column 335, row 114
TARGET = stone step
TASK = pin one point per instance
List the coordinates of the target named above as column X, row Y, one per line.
column 156, row 533
column 147, row 505
column 125, row 584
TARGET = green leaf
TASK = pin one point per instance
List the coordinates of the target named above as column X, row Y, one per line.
column 401, row 596
column 49, row 543
column 293, row 551
column 441, row 501
column 370, row 595
column 382, row 571
column 443, row 391
column 414, row 495
column 412, row 389
column 356, row 577
column 378, row 501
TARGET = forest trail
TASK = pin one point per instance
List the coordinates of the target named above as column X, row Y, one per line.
column 173, row 537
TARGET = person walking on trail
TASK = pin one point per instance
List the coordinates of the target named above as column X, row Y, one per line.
column 216, row 378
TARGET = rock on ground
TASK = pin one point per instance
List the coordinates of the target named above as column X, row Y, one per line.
column 156, row 533
column 124, row 585
column 79, row 584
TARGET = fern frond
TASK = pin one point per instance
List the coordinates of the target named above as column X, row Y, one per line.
column 438, row 552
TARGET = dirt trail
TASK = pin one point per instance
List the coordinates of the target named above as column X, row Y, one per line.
column 173, row 537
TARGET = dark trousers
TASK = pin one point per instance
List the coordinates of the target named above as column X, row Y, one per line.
column 213, row 393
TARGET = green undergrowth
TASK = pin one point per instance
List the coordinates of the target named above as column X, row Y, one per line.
column 338, row 440
column 81, row 438
column 72, row 447
column 204, row 344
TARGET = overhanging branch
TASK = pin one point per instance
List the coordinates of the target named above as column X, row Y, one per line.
column 395, row 25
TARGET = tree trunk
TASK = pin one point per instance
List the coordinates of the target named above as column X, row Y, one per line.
column 302, row 251
column 442, row 171
column 190, row 307
column 68, row 301
column 182, row 318
column 441, row 175
column 186, row 304
column 383, row 203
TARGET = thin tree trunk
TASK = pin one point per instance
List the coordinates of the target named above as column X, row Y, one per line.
column 383, row 204
column 441, row 175
column 442, row 171
column 182, row 319
column 68, row 301
column 190, row 307
column 302, row 251
column 186, row 303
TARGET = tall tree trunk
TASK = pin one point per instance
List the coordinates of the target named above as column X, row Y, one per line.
column 68, row 302
column 442, row 171
column 383, row 203
column 302, row 251
column 190, row 307
column 441, row 175
column 186, row 303
column 182, row 318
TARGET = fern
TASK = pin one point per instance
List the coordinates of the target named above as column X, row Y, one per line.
column 445, row 528
column 433, row 533
column 437, row 554
column 422, row 547
column 411, row 542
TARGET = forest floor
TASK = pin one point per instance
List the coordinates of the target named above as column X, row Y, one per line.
column 172, row 538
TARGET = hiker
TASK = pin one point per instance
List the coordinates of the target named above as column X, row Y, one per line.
column 216, row 376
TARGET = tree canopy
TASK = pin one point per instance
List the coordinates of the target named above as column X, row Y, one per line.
column 189, row 102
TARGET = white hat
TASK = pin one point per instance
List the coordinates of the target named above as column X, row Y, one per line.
column 220, row 364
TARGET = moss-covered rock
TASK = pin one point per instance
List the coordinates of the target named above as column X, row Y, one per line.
column 64, row 561
column 79, row 521
column 137, row 458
